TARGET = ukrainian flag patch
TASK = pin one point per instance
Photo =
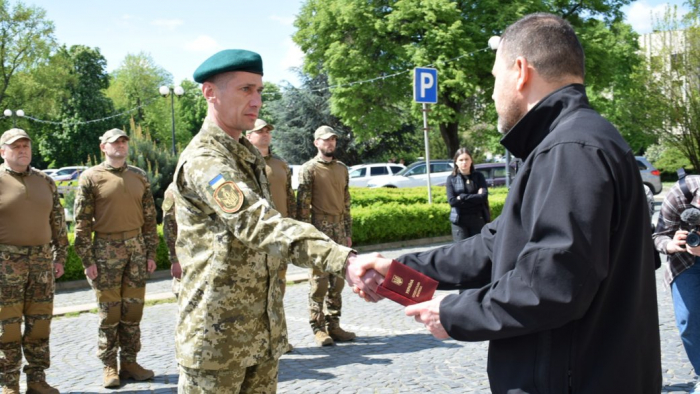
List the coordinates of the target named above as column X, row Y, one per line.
column 217, row 181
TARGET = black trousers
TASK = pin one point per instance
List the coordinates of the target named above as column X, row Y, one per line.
column 469, row 225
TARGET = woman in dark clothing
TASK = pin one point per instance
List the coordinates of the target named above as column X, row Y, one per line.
column 468, row 197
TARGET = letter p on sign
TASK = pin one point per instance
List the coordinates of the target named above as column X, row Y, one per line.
column 425, row 85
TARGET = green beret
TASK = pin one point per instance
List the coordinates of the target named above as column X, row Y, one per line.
column 229, row 60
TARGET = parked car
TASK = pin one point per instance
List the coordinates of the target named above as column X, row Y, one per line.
column 68, row 173
column 49, row 171
column 415, row 175
column 494, row 173
column 650, row 175
column 361, row 174
column 295, row 175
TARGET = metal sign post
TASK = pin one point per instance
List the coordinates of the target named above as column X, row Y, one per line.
column 425, row 92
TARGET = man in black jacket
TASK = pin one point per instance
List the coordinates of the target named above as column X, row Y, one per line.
column 562, row 283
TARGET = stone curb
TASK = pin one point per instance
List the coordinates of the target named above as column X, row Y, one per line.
column 164, row 274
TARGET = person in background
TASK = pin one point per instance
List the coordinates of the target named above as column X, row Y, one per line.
column 115, row 202
column 170, row 236
column 682, row 273
column 33, row 245
column 323, row 199
column 279, row 177
column 467, row 194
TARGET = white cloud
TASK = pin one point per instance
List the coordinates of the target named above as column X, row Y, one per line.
column 202, row 44
column 169, row 24
column 285, row 20
column 642, row 16
column 293, row 56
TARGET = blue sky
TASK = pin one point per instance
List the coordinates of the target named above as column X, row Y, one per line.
column 179, row 35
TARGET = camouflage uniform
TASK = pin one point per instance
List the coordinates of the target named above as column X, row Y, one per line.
column 231, row 316
column 27, row 274
column 121, row 256
column 282, row 196
column 337, row 225
column 170, row 231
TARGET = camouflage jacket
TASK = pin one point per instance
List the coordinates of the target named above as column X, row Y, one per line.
column 230, row 305
column 305, row 195
column 169, row 223
column 57, row 219
column 88, row 198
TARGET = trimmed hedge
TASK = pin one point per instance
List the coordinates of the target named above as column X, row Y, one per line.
column 378, row 215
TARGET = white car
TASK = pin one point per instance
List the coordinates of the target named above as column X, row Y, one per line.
column 49, row 171
column 68, row 173
column 416, row 175
column 295, row 175
column 363, row 173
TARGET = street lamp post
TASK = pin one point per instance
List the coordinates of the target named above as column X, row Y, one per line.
column 179, row 91
column 18, row 113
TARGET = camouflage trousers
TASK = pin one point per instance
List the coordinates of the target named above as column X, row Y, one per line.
column 120, row 287
column 260, row 378
column 325, row 295
column 26, row 290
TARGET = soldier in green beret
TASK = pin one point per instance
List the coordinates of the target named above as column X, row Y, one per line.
column 232, row 242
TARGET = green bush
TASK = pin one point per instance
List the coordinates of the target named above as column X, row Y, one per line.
column 379, row 216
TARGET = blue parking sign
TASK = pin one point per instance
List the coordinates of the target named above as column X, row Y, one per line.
column 425, row 82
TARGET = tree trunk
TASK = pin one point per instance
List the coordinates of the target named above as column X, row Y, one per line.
column 448, row 131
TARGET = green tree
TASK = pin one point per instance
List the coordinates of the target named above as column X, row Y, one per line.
column 300, row 111
column 76, row 137
column 135, row 85
column 190, row 111
column 26, row 40
column 359, row 40
column 674, row 60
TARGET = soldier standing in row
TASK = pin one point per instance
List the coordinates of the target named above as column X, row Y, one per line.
column 33, row 246
column 231, row 242
column 170, row 236
column 114, row 201
column 279, row 176
column 323, row 199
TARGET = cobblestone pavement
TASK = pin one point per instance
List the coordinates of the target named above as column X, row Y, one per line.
column 392, row 353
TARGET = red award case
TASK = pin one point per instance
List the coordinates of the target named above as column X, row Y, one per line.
column 406, row 286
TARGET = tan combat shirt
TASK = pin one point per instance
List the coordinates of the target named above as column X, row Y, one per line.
column 279, row 175
column 324, row 190
column 31, row 213
column 230, row 307
column 114, row 200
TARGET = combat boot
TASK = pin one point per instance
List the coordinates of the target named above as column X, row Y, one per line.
column 134, row 371
column 338, row 334
column 40, row 388
column 111, row 376
column 322, row 338
column 13, row 389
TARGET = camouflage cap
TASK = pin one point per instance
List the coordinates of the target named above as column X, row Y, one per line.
column 324, row 133
column 259, row 125
column 13, row 135
column 113, row 135
column 229, row 60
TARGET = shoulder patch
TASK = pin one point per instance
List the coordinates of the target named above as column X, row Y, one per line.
column 229, row 197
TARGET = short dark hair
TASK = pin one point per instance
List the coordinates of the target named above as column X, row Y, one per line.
column 461, row 151
column 548, row 42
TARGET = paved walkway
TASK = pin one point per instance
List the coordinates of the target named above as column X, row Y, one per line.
column 392, row 353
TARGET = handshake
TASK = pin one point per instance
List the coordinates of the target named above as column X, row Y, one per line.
column 367, row 274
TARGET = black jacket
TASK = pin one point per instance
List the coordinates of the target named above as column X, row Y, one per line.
column 562, row 282
column 468, row 203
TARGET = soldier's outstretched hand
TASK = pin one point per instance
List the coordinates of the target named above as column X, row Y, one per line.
column 359, row 277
